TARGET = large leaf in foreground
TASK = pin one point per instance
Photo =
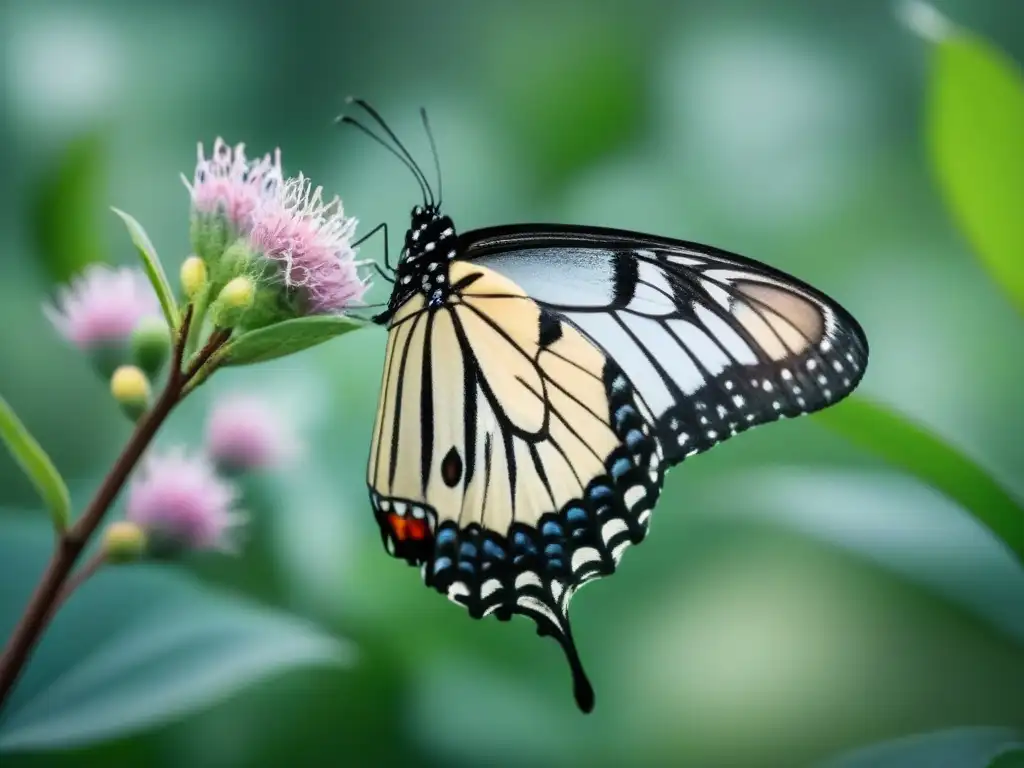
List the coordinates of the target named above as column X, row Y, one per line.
column 975, row 747
column 913, row 448
column 137, row 646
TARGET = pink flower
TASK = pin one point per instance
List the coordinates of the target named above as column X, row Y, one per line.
column 246, row 432
column 228, row 184
column 102, row 306
column 181, row 503
column 309, row 241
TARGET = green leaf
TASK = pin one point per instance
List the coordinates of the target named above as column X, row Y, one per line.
column 969, row 747
column 154, row 269
column 67, row 206
column 914, row 449
column 600, row 66
column 286, row 338
column 1011, row 759
column 137, row 646
column 37, row 465
column 889, row 519
column 976, row 139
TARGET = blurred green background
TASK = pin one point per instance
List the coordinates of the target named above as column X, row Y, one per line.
column 798, row 598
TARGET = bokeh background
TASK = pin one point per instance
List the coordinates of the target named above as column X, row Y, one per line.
column 798, row 597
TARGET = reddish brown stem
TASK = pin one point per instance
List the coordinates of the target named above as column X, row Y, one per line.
column 52, row 588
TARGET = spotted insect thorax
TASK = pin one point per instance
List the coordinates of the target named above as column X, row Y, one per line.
column 430, row 245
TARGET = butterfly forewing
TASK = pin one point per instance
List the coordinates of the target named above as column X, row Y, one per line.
column 713, row 342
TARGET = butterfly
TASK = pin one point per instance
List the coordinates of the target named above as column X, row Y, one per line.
column 540, row 380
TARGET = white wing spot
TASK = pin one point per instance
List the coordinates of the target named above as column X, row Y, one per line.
column 738, row 400
column 633, row 496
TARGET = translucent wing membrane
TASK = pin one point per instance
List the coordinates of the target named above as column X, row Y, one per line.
column 527, row 418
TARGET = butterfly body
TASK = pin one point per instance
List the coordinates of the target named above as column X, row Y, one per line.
column 430, row 243
column 539, row 381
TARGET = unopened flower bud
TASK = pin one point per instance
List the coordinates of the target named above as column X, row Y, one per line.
column 193, row 277
column 131, row 389
column 124, row 542
column 233, row 301
column 151, row 345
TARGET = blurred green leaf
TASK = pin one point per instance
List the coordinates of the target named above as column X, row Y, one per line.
column 286, row 338
column 568, row 85
column 912, row 448
column 961, row 747
column 36, row 465
column 154, row 269
column 67, row 208
column 976, row 138
column 890, row 519
column 1012, row 759
column 136, row 646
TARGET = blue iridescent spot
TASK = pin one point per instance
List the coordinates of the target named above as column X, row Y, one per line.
column 493, row 550
column 466, row 566
column 555, row 564
column 634, row 437
column 553, row 550
column 467, row 549
column 551, row 528
column 600, row 492
column 521, row 540
column 441, row 563
column 579, row 533
column 576, row 514
column 621, row 467
column 446, row 536
column 518, row 559
column 622, row 414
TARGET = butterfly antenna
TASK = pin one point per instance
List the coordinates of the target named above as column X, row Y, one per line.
column 433, row 151
column 387, row 129
column 420, row 181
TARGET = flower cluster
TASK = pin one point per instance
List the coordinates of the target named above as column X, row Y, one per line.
column 266, row 249
column 281, row 249
column 179, row 501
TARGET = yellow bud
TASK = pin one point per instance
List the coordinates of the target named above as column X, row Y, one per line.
column 238, row 293
column 131, row 389
column 193, row 276
column 233, row 301
column 124, row 542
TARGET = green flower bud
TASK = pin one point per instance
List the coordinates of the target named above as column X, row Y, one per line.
column 124, row 542
column 210, row 234
column 130, row 388
column 151, row 345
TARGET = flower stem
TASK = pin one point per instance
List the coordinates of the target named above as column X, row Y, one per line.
column 51, row 589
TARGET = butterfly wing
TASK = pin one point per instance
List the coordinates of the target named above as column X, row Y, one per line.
column 714, row 342
column 496, row 462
